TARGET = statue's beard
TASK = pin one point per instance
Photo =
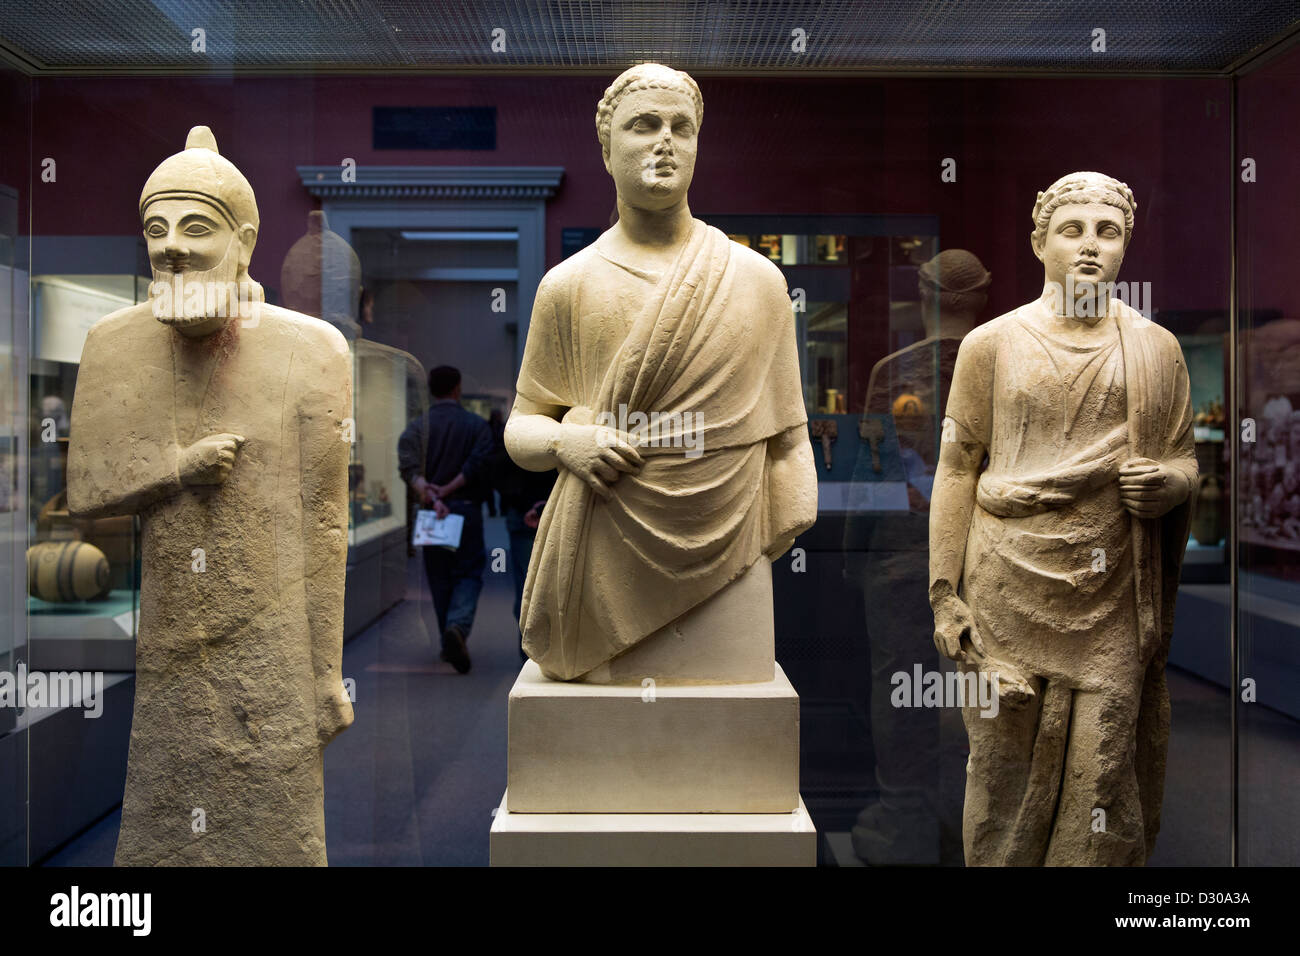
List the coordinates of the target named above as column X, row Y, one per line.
column 181, row 299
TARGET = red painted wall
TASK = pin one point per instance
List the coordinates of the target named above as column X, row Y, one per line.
column 15, row 138
column 788, row 145
column 1268, row 210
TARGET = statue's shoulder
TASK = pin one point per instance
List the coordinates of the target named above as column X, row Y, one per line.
column 564, row 275
column 1002, row 322
column 1140, row 324
column 987, row 333
column 132, row 320
column 754, row 267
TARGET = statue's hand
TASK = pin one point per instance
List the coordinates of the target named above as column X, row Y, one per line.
column 597, row 454
column 955, row 634
column 333, row 712
column 209, row 460
column 1150, row 489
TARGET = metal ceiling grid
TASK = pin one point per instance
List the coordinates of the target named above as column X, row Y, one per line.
column 739, row 36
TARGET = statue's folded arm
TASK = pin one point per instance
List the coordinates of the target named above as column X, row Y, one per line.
column 108, row 476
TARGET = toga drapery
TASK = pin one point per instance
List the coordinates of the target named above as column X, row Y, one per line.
column 712, row 341
column 241, row 602
column 1066, row 585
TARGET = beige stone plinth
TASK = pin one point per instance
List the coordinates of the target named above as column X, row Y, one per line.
column 584, row 748
column 652, row 839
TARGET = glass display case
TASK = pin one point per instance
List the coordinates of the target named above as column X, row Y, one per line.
column 388, row 385
column 890, row 177
column 83, row 574
column 389, row 391
column 322, row 276
column 13, row 527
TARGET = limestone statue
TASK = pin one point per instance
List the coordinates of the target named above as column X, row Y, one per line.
column 1055, row 564
column 219, row 420
column 661, row 376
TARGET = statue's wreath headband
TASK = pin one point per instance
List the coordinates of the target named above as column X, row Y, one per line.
column 227, row 213
column 1085, row 187
column 959, row 281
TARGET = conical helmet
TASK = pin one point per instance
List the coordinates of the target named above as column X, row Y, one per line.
column 200, row 172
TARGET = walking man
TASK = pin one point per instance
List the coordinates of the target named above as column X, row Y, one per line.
column 445, row 457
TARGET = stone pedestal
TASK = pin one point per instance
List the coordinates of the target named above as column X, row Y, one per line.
column 652, row 839
column 587, row 748
column 652, row 774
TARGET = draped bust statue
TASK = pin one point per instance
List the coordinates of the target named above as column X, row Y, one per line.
column 218, row 419
column 661, row 376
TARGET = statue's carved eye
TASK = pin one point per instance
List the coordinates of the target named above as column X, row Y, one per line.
column 197, row 229
column 156, row 231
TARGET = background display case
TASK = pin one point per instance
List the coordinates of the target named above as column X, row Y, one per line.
column 83, row 575
column 389, row 390
column 456, row 174
column 322, row 276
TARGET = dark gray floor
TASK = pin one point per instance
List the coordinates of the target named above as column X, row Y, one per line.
column 415, row 780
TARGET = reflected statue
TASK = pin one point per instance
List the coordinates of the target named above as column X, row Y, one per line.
column 1057, row 528
column 661, row 376
column 322, row 276
column 219, row 420
column 903, row 826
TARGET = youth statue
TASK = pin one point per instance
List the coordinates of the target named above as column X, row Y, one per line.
column 1057, row 529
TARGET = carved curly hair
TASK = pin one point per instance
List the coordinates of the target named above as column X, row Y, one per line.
column 1084, row 187
column 644, row 76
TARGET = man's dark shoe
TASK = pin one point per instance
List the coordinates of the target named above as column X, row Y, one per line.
column 454, row 651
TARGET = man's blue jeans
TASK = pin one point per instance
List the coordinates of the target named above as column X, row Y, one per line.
column 521, row 551
column 456, row 577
